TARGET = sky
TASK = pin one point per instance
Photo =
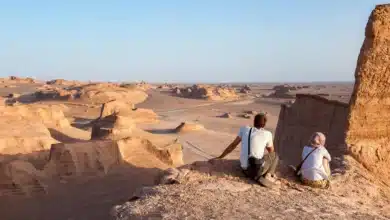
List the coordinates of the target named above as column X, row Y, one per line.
column 183, row 40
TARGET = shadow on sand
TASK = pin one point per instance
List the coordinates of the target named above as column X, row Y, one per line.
column 61, row 137
column 86, row 197
column 161, row 131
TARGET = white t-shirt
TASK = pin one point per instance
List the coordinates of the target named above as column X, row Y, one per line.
column 260, row 139
column 312, row 168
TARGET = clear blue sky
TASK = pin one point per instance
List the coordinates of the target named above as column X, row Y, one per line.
column 183, row 40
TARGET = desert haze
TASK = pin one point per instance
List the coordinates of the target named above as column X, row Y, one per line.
column 98, row 150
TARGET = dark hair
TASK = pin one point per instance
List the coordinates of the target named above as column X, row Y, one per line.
column 260, row 121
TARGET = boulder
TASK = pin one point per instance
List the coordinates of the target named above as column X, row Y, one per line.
column 188, row 127
column 49, row 115
column 245, row 115
column 127, row 109
column 251, row 112
column 63, row 82
column 207, row 92
column 142, row 145
column 93, row 157
column 298, row 121
column 54, row 93
column 245, row 89
column 116, row 107
column 15, row 79
column 100, row 93
column 23, row 139
column 113, row 127
column 226, row 115
column 283, row 91
column 13, row 95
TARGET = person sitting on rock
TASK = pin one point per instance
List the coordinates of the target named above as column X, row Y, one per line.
column 315, row 170
column 254, row 162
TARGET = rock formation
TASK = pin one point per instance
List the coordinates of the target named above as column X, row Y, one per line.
column 96, row 93
column 113, row 127
column 15, row 79
column 188, row 126
column 49, row 115
column 368, row 132
column 207, row 92
column 165, row 86
column 283, row 91
column 82, row 158
column 63, row 82
column 123, row 108
column 308, row 114
column 123, row 129
column 105, row 92
column 55, row 93
column 226, row 115
column 362, row 127
column 141, row 86
column 245, row 89
column 23, row 138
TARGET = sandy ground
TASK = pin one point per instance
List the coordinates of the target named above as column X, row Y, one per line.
column 92, row 198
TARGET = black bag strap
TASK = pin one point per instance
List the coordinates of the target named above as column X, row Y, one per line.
column 249, row 142
column 301, row 163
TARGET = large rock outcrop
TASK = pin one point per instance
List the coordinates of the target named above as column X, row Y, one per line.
column 113, row 127
column 283, row 92
column 23, row 139
column 26, row 128
column 126, row 108
column 29, row 130
column 123, row 130
column 82, row 158
column 368, row 133
column 50, row 115
column 96, row 93
column 16, row 79
column 48, row 92
column 308, row 114
column 363, row 127
column 63, row 82
column 207, row 92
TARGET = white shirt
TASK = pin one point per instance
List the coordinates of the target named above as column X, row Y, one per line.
column 312, row 168
column 260, row 139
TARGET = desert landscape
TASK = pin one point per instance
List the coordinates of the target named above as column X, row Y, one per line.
column 136, row 150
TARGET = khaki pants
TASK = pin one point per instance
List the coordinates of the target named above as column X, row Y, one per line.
column 264, row 166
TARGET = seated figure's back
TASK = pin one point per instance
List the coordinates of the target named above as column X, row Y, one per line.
column 312, row 168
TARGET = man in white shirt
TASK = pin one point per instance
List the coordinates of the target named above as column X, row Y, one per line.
column 254, row 162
